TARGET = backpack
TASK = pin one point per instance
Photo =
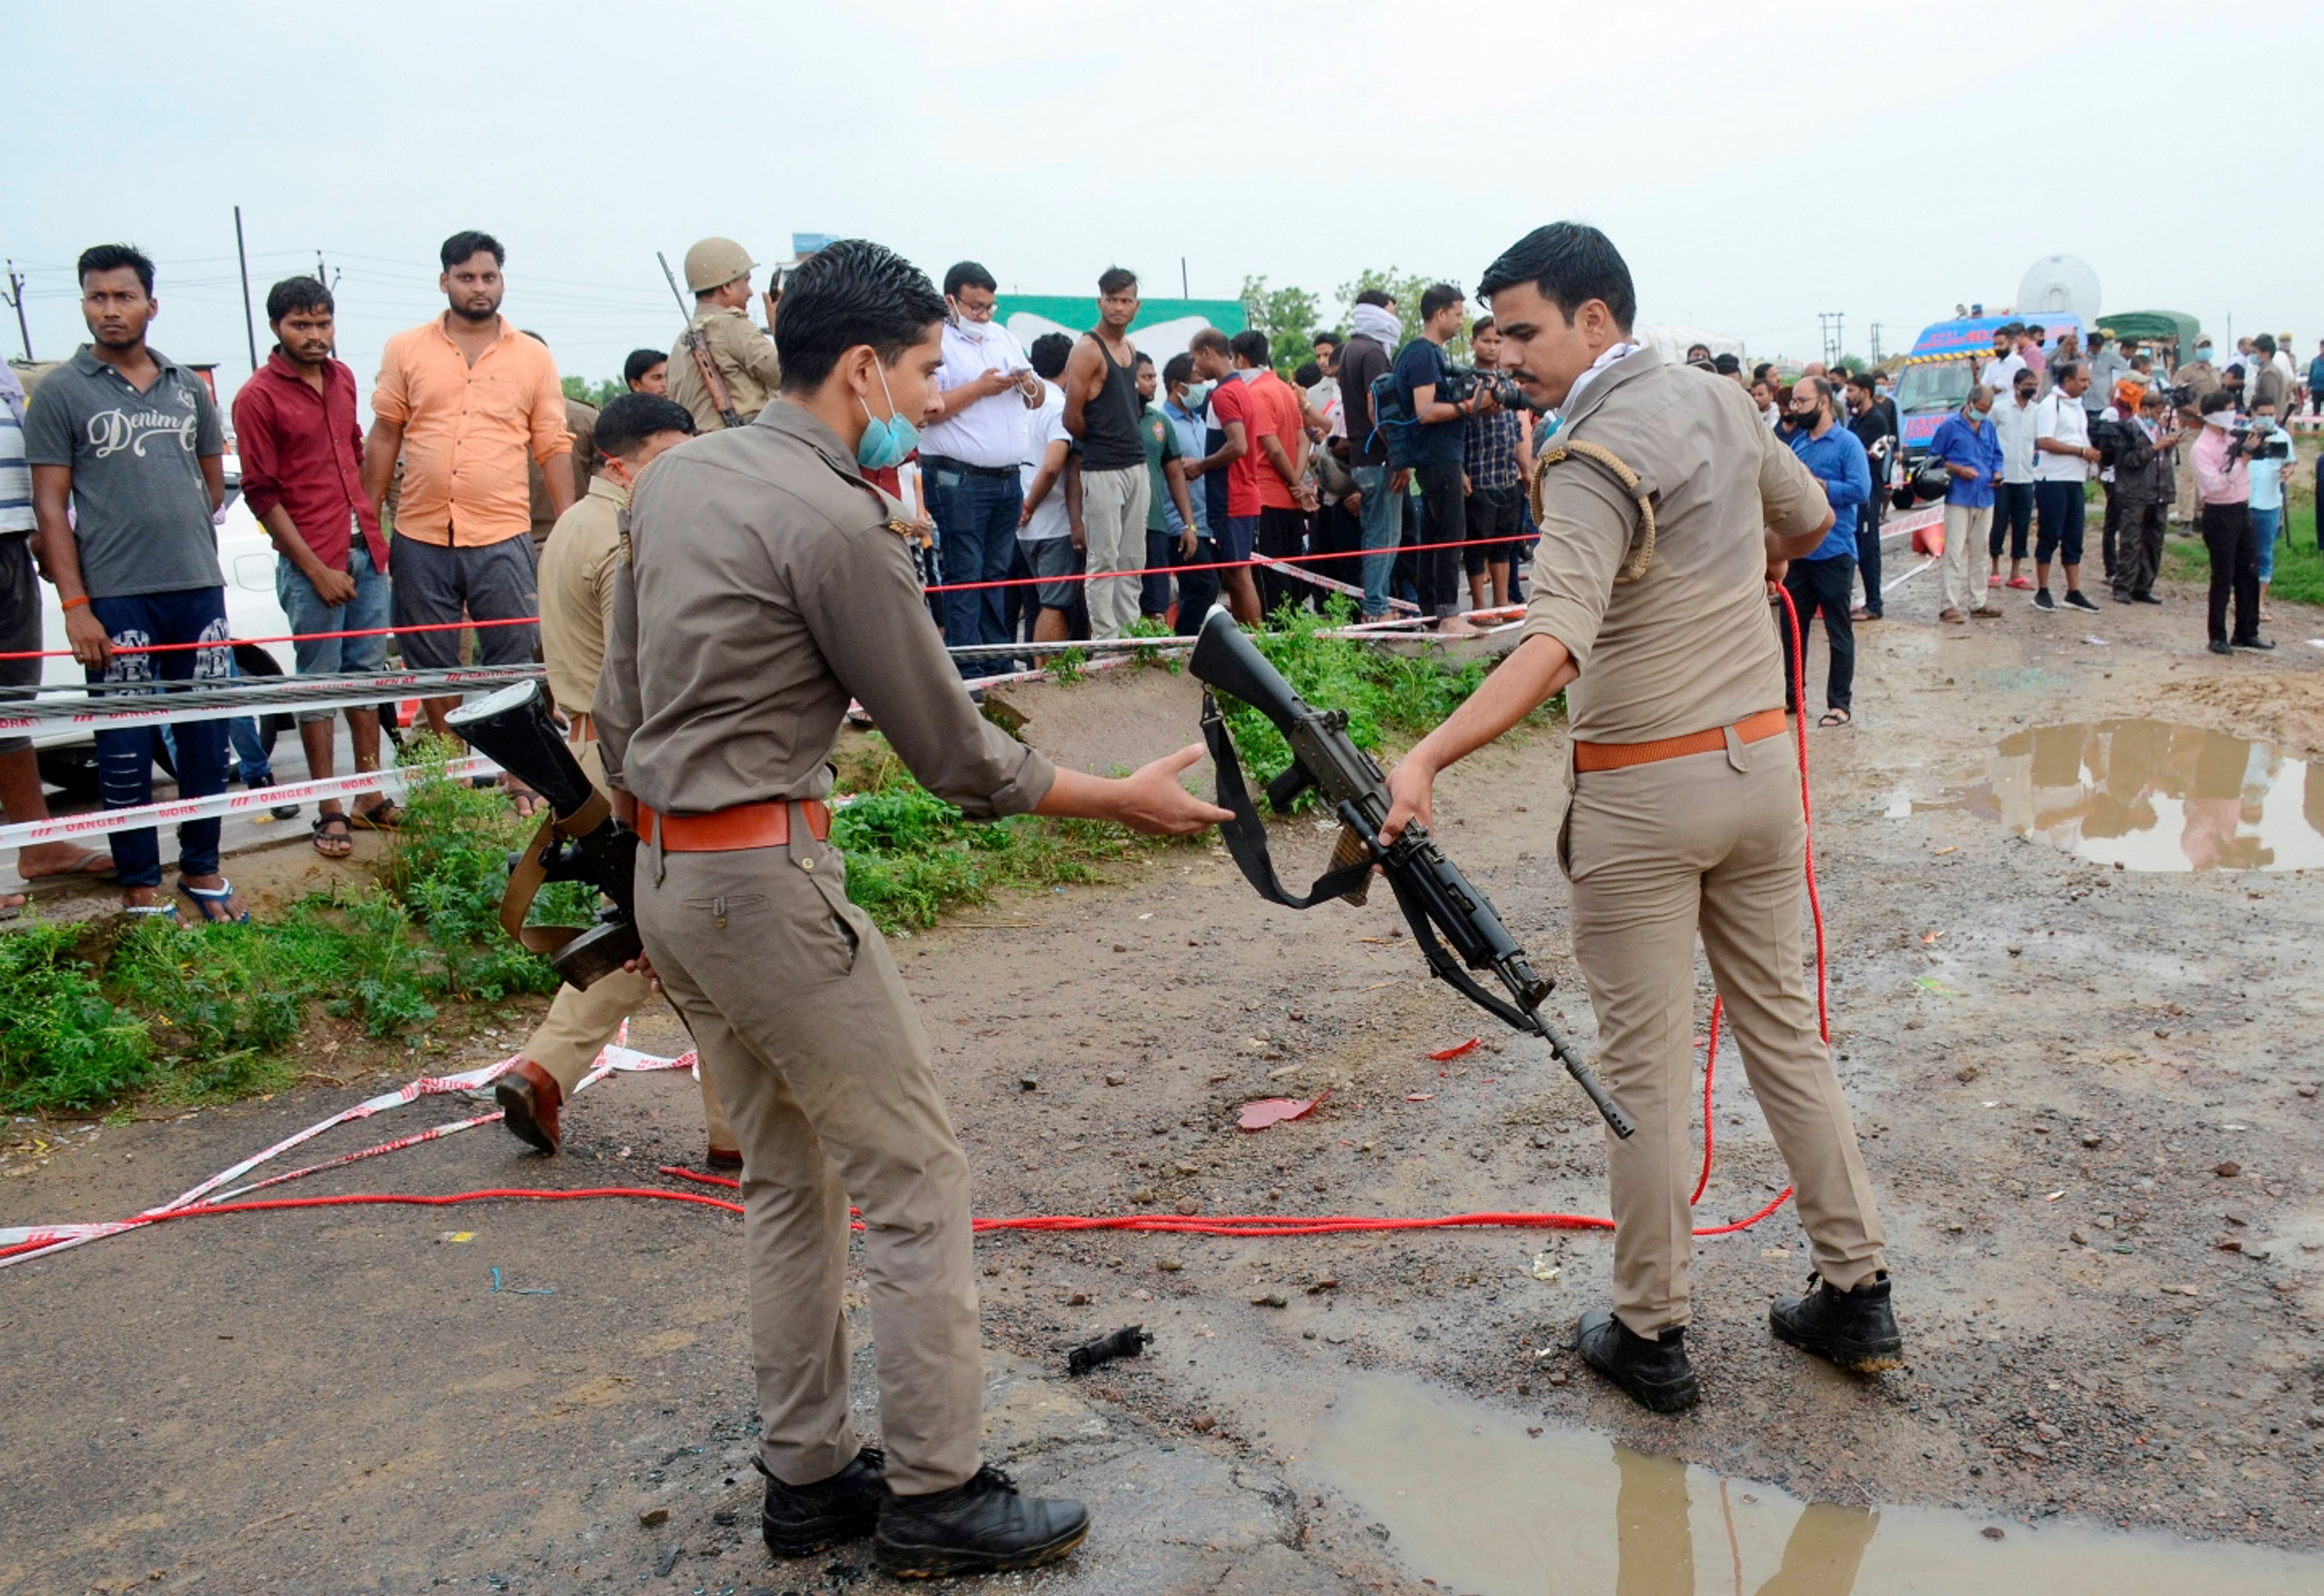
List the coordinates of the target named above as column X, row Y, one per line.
column 1392, row 425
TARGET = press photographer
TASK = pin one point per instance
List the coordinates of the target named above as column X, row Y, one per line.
column 2223, row 483
column 1427, row 384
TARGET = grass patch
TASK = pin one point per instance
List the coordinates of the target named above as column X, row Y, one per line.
column 64, row 1045
column 2299, row 567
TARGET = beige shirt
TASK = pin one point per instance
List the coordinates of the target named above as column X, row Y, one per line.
column 1690, row 643
column 577, row 593
column 745, row 358
column 581, row 427
column 767, row 583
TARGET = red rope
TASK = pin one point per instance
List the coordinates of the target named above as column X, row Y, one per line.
column 1260, row 1225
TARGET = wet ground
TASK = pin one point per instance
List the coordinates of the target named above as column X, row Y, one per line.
column 2087, row 1097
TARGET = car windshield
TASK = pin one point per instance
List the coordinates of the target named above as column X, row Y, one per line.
column 1937, row 385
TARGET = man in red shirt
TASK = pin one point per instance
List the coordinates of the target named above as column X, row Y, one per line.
column 301, row 448
column 1235, row 416
column 1279, row 435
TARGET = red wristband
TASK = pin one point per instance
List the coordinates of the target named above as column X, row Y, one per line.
column 74, row 602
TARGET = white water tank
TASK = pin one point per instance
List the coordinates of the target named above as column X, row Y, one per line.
column 2057, row 284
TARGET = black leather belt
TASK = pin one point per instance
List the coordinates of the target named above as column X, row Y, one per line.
column 946, row 463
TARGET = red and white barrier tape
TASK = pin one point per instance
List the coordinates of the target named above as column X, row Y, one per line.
column 102, row 821
column 43, row 1241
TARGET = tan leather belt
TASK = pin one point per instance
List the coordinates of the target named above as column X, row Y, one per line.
column 580, row 727
column 1616, row 756
column 746, row 825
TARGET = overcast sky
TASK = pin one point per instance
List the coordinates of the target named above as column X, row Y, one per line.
column 1755, row 164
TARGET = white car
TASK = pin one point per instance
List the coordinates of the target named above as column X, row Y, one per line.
column 246, row 557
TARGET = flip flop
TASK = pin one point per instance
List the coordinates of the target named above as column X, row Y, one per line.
column 149, row 911
column 95, row 864
column 386, row 815
column 1837, row 717
column 219, row 898
column 342, row 841
column 12, row 906
column 2020, row 583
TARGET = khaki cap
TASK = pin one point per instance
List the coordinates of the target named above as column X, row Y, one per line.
column 714, row 262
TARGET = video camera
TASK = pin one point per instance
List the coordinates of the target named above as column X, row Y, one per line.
column 1460, row 382
column 2108, row 437
column 2252, row 440
column 584, row 842
column 1926, row 485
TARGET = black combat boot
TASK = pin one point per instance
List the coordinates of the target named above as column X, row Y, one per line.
column 1855, row 1329
column 800, row 1520
column 981, row 1527
column 1656, row 1373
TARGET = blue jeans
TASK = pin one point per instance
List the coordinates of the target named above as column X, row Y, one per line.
column 976, row 530
column 368, row 611
column 1380, row 519
column 2267, row 525
column 125, row 758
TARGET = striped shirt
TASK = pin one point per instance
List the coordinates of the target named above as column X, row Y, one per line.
column 15, row 476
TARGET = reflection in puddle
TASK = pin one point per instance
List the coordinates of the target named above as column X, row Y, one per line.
column 1472, row 1502
column 2152, row 795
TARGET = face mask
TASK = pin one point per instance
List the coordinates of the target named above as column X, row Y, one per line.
column 1194, row 395
column 2202, row 351
column 885, row 443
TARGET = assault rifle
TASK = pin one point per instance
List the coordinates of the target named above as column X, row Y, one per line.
column 580, row 840
column 1434, row 896
column 714, row 381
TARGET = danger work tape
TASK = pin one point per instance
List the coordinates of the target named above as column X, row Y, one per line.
column 103, row 822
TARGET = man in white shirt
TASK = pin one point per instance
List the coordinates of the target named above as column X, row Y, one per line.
column 2013, row 504
column 1049, row 514
column 968, row 458
column 2007, row 363
column 2062, row 458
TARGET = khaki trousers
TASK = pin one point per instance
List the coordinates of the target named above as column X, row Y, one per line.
column 1713, row 841
column 1113, row 516
column 807, row 1032
column 1963, row 566
column 582, row 1021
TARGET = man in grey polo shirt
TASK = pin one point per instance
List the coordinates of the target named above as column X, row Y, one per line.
column 130, row 441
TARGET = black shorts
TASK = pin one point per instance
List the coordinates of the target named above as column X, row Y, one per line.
column 1056, row 562
column 20, row 628
column 1493, row 512
column 436, row 584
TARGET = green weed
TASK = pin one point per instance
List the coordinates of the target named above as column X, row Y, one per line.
column 64, row 1045
column 2299, row 566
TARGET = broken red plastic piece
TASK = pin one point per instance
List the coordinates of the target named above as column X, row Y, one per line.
column 1441, row 1054
column 1418, row 1096
column 1274, row 1111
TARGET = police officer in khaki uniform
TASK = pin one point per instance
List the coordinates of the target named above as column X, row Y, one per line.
column 767, row 583
column 1666, row 509
column 576, row 592
column 718, row 272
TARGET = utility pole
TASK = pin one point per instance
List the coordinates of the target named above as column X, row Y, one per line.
column 16, row 303
column 1183, row 292
column 322, row 274
column 1876, row 343
column 249, row 323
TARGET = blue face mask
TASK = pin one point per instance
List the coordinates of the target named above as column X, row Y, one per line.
column 885, row 443
column 1195, row 394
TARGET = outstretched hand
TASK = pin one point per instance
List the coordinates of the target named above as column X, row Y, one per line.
column 1152, row 800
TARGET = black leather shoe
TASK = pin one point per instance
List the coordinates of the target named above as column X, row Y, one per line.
column 2259, row 645
column 981, row 1527
column 2221, row 646
column 1855, row 1329
column 1656, row 1373
column 801, row 1520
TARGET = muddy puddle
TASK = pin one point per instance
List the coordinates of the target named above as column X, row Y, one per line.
column 2150, row 795
column 1474, row 1503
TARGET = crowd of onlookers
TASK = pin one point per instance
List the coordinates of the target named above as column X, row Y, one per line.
column 1074, row 489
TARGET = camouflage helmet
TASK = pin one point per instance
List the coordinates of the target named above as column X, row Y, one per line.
column 714, row 262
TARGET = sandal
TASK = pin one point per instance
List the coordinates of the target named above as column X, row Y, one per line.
column 12, row 905
column 1836, row 717
column 149, row 911
column 216, row 903
column 333, row 844
column 2020, row 583
column 95, row 864
column 386, row 815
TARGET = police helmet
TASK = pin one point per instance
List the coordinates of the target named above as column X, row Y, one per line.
column 714, row 262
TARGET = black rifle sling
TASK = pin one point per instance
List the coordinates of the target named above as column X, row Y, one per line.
column 1246, row 833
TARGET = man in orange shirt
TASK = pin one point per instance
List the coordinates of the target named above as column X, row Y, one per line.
column 465, row 400
column 1279, row 436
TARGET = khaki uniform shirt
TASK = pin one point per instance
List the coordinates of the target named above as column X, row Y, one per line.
column 1689, row 644
column 577, row 593
column 767, row 583
column 745, row 358
column 581, row 426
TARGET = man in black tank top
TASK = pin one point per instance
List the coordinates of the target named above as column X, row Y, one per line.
column 1102, row 410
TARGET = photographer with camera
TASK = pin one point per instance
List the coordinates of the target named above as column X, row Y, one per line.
column 1439, row 443
column 2271, row 457
column 2223, row 483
